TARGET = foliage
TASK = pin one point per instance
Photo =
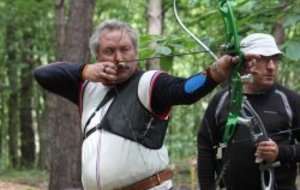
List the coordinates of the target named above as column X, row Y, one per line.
column 291, row 50
column 29, row 19
column 178, row 53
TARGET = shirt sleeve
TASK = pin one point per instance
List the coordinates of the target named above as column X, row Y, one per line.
column 170, row 90
column 63, row 79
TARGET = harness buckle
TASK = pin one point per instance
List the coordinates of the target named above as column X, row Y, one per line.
column 98, row 126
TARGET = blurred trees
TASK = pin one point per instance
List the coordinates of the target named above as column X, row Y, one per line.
column 26, row 43
column 73, row 29
column 36, row 130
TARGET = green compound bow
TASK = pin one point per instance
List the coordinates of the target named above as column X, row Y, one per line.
column 232, row 46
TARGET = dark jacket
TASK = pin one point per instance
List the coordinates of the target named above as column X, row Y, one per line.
column 280, row 117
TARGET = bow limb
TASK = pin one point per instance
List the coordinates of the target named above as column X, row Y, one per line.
column 191, row 34
column 236, row 93
column 232, row 46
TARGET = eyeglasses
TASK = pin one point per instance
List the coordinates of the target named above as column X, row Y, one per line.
column 274, row 58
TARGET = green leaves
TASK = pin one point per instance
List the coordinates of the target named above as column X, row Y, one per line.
column 292, row 50
column 291, row 20
column 165, row 48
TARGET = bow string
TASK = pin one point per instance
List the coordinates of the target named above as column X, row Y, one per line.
column 211, row 53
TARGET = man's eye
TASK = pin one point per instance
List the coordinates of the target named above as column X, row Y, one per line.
column 109, row 52
column 277, row 58
column 269, row 58
column 125, row 49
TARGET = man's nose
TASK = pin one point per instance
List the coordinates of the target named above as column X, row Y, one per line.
column 118, row 56
column 271, row 64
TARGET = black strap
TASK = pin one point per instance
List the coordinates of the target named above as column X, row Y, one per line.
column 89, row 132
column 110, row 94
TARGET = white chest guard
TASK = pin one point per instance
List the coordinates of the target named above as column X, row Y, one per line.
column 111, row 160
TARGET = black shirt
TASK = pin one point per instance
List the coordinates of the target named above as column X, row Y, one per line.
column 242, row 173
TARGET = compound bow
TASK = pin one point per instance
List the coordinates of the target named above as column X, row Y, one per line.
column 232, row 46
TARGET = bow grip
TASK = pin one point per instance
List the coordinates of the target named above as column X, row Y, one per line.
column 231, row 124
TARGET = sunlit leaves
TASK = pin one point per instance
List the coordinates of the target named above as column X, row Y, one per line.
column 292, row 50
column 291, row 20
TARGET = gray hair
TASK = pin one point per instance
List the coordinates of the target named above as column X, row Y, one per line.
column 111, row 25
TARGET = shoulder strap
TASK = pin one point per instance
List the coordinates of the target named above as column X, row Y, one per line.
column 220, row 105
column 287, row 106
column 110, row 94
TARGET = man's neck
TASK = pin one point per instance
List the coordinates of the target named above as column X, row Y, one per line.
column 252, row 89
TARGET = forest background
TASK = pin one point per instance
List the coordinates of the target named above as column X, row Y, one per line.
column 40, row 133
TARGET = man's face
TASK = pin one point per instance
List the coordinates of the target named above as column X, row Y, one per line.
column 116, row 46
column 264, row 72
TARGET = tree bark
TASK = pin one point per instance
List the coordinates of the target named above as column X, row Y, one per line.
column 60, row 28
column 48, row 123
column 154, row 28
column 66, row 135
column 45, row 127
column 26, row 122
column 279, row 33
column 13, row 121
column 279, row 36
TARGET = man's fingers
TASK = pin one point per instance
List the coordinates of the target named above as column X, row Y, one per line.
column 109, row 70
column 234, row 59
column 267, row 150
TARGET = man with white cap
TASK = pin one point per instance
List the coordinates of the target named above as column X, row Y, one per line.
column 274, row 107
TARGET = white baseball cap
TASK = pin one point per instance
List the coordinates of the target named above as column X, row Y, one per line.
column 259, row 43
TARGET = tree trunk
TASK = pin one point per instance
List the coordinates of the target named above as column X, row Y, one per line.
column 279, row 33
column 66, row 135
column 49, row 122
column 13, row 121
column 154, row 27
column 2, row 105
column 46, row 128
column 279, row 36
column 26, row 122
column 60, row 28
column 13, row 129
